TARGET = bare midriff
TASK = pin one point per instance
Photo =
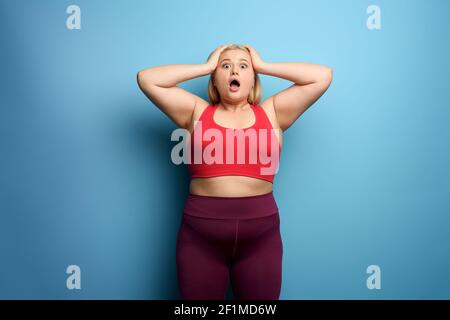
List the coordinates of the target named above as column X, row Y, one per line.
column 229, row 186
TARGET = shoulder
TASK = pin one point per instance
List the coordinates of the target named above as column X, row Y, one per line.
column 200, row 107
column 269, row 109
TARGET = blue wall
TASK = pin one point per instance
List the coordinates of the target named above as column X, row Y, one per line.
column 86, row 175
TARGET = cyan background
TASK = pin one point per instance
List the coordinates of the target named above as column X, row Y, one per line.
column 86, row 175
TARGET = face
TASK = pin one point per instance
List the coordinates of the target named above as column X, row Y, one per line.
column 234, row 64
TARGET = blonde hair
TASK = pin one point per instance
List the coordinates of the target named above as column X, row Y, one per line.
column 255, row 94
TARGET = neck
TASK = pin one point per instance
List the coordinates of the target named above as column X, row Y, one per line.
column 234, row 106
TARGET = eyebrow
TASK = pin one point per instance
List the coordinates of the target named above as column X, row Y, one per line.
column 230, row 59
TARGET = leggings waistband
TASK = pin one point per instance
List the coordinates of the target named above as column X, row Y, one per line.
column 247, row 207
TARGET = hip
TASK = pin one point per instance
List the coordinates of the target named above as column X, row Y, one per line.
column 241, row 207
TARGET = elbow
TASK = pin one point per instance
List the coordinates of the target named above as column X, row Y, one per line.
column 329, row 73
column 139, row 77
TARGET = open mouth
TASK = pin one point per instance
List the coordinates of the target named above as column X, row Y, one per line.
column 234, row 85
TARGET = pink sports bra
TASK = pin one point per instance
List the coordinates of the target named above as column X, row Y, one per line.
column 219, row 151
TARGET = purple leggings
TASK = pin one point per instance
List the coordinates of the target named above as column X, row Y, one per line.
column 229, row 238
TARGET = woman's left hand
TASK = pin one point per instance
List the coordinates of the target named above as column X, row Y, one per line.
column 256, row 58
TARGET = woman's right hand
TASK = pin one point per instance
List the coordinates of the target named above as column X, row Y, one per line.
column 214, row 58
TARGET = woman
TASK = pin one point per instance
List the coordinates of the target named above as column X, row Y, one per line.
column 230, row 228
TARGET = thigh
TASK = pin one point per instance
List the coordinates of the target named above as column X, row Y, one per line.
column 257, row 265
column 201, row 258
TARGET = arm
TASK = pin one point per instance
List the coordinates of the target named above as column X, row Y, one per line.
column 159, row 85
column 310, row 83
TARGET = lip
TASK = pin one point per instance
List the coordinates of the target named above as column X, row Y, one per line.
column 234, row 78
column 232, row 90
